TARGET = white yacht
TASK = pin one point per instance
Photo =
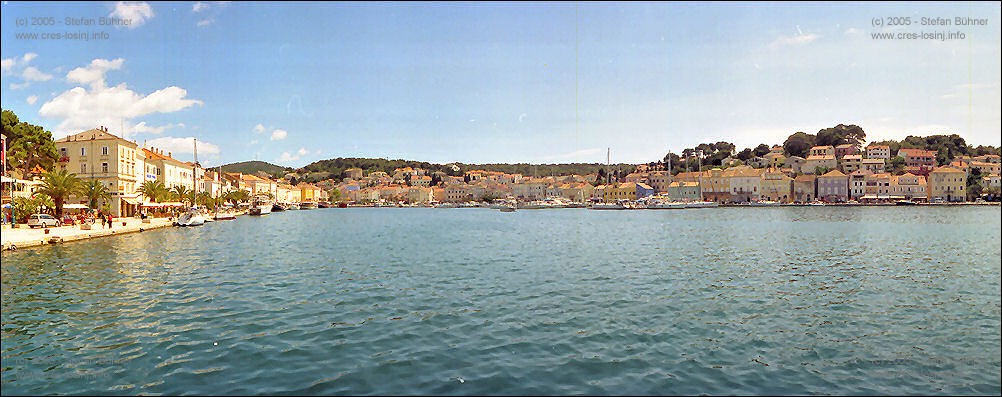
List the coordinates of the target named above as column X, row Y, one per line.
column 191, row 218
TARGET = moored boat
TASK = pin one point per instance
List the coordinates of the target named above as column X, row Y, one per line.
column 191, row 218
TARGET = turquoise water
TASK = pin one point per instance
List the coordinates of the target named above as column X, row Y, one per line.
column 818, row 300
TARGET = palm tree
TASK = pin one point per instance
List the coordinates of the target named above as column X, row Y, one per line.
column 153, row 190
column 94, row 190
column 204, row 198
column 182, row 193
column 59, row 185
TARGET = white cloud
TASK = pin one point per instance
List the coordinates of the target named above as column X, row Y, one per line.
column 7, row 65
column 82, row 109
column 18, row 66
column 32, row 73
column 142, row 128
column 205, row 22
column 258, row 129
column 185, row 145
column 136, row 12
column 287, row 157
column 93, row 74
column 32, row 99
column 199, row 6
column 798, row 40
column 279, row 134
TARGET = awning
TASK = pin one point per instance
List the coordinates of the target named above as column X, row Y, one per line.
column 132, row 200
column 869, row 197
column 75, row 206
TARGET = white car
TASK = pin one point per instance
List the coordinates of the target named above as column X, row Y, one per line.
column 43, row 220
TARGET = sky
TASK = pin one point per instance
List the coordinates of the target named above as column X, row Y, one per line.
column 293, row 83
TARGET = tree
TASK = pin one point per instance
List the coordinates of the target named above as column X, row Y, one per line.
column 745, row 154
column 28, row 145
column 601, row 177
column 184, row 194
column 24, row 207
column 94, row 190
column 840, row 134
column 59, row 185
column 897, row 164
column 799, row 144
column 974, row 188
column 153, row 190
column 335, row 195
column 204, row 198
column 761, row 150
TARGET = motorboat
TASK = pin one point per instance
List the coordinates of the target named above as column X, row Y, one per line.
column 507, row 208
column 277, row 207
column 905, row 202
column 618, row 205
column 665, row 205
column 292, row 206
column 191, row 218
column 307, row 205
column 260, row 209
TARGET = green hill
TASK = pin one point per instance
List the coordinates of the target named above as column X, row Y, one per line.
column 253, row 167
column 334, row 168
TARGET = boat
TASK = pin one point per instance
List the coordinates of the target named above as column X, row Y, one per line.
column 665, row 205
column 292, row 207
column 260, row 209
column 225, row 216
column 277, row 207
column 618, row 205
column 191, row 218
column 307, row 205
column 905, row 202
column 507, row 208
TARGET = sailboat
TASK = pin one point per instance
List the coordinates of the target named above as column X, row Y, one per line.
column 194, row 215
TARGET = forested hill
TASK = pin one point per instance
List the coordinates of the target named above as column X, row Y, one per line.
column 253, row 167
column 335, row 167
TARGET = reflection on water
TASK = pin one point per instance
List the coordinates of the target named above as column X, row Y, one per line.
column 830, row 300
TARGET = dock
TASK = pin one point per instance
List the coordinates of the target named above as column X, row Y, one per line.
column 23, row 236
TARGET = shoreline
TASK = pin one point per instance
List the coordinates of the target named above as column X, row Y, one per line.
column 24, row 237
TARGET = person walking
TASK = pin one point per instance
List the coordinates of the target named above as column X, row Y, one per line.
column 101, row 215
column 110, row 219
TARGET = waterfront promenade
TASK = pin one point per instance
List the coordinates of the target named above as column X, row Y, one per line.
column 22, row 236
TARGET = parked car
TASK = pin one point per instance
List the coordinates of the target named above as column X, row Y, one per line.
column 67, row 220
column 43, row 220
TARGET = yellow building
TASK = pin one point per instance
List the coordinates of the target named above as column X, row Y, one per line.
column 99, row 155
column 776, row 186
column 621, row 191
column 947, row 184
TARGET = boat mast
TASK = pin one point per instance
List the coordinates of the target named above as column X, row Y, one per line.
column 194, row 172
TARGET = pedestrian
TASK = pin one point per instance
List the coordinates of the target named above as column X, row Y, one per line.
column 101, row 215
column 110, row 219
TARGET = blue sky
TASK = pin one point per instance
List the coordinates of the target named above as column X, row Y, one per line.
column 496, row 82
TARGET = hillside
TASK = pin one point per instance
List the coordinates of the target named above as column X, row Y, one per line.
column 324, row 169
column 252, row 167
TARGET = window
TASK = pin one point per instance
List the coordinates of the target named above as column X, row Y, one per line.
column 83, row 168
column 104, row 150
column 104, row 167
column 83, row 151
